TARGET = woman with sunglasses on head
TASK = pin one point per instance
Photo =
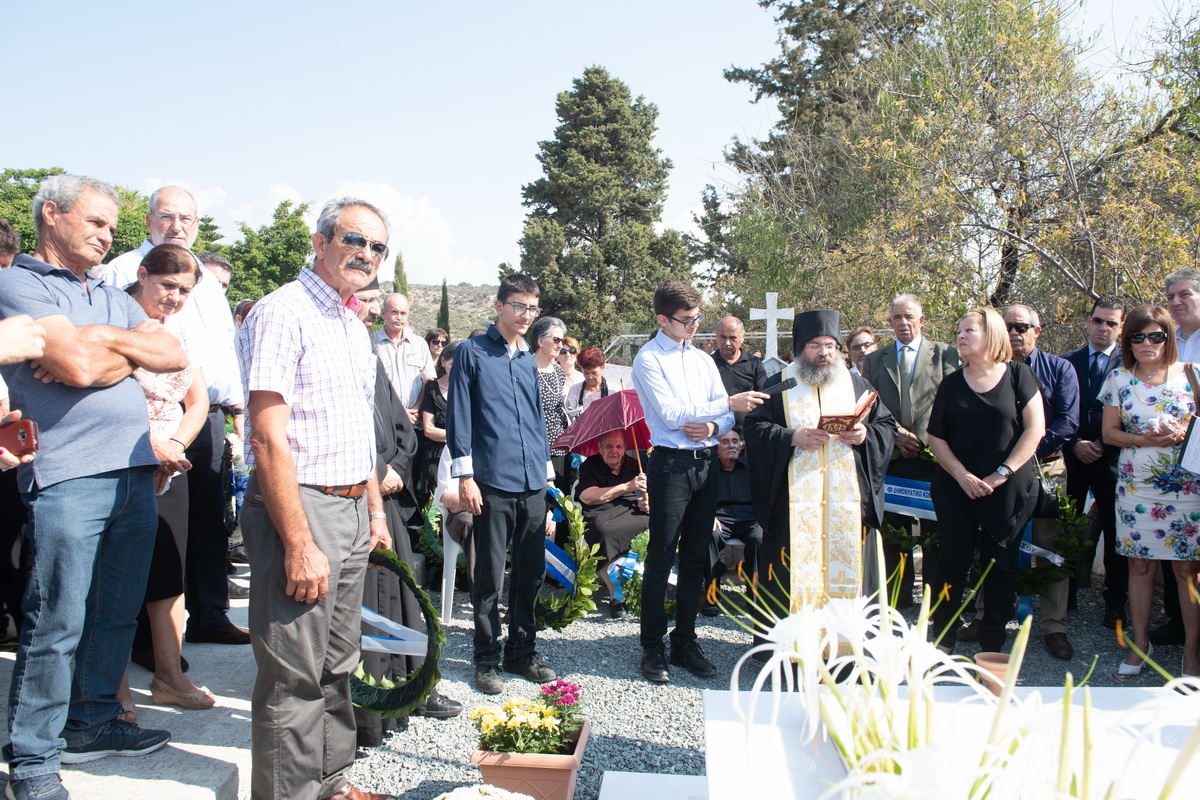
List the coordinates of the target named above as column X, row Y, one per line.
column 546, row 337
column 1148, row 404
column 567, row 356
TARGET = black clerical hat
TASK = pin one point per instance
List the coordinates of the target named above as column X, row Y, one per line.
column 808, row 325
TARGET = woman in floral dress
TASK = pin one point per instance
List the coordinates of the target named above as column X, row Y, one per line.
column 1148, row 405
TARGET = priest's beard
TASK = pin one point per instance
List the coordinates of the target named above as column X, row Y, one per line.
column 818, row 375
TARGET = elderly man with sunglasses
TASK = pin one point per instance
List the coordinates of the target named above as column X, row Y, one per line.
column 313, row 508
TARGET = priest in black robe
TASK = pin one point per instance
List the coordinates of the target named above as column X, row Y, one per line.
column 815, row 493
column 396, row 454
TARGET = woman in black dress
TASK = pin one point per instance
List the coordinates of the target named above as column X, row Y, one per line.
column 546, row 337
column 433, row 421
column 986, row 422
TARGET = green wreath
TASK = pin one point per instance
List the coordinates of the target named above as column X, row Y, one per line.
column 1072, row 539
column 400, row 697
column 557, row 610
column 632, row 587
column 429, row 543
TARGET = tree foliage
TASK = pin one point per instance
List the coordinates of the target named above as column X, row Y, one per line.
column 131, row 222
column 208, row 237
column 590, row 239
column 443, row 315
column 17, row 188
column 400, row 284
column 265, row 259
column 980, row 162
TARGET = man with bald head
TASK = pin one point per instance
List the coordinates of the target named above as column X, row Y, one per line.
column 209, row 328
column 740, row 371
column 405, row 355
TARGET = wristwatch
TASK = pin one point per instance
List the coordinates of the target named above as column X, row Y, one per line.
column 377, row 515
column 1004, row 471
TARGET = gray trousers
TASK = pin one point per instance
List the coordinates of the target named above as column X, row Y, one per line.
column 302, row 729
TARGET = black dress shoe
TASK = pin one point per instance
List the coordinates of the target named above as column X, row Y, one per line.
column 488, row 680
column 1059, row 646
column 654, row 664
column 1112, row 615
column 689, row 657
column 618, row 610
column 438, row 706
column 530, row 668
column 1168, row 634
column 230, row 634
column 972, row 632
column 144, row 658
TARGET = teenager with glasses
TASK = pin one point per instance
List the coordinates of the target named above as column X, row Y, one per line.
column 1149, row 402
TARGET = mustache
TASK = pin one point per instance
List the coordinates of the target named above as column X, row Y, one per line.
column 359, row 263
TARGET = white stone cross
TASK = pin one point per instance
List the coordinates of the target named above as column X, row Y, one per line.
column 771, row 313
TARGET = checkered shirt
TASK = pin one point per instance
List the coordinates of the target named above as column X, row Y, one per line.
column 303, row 343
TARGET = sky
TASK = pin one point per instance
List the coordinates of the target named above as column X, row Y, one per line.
column 431, row 110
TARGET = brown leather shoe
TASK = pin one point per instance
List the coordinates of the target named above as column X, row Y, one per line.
column 972, row 632
column 348, row 792
column 1059, row 646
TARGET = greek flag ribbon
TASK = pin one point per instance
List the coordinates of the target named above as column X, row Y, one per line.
column 1033, row 550
column 622, row 570
column 560, row 565
column 407, row 642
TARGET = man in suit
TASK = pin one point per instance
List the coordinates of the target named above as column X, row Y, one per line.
column 907, row 376
column 1091, row 464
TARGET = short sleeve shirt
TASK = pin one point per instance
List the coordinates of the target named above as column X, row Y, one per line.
column 83, row 432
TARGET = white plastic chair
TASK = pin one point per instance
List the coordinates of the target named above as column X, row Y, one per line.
column 450, row 551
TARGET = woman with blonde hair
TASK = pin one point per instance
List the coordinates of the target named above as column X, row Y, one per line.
column 986, row 422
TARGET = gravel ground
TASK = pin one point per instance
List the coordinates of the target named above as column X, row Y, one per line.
column 642, row 727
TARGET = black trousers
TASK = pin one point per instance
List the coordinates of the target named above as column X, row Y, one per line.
column 961, row 535
column 683, row 504
column 521, row 516
column 206, row 583
column 1098, row 477
column 15, row 555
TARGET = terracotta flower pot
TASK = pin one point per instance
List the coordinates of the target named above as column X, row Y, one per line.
column 995, row 666
column 539, row 775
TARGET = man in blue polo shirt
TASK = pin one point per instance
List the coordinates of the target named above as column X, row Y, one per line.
column 498, row 450
column 90, row 491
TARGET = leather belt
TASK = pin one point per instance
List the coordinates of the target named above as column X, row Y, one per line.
column 352, row 492
column 702, row 453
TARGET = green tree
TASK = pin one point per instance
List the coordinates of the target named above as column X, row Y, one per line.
column 443, row 315
column 589, row 239
column 265, row 259
column 131, row 222
column 208, row 237
column 17, row 188
column 401, row 281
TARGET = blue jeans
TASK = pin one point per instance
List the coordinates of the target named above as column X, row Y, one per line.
column 92, row 539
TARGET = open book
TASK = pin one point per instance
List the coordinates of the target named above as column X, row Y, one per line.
column 836, row 423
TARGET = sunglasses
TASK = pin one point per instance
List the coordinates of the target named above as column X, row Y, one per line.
column 1155, row 337
column 439, row 342
column 556, row 339
column 357, row 241
column 1019, row 327
column 1109, row 322
column 567, row 351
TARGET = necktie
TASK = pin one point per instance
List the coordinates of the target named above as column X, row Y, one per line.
column 1097, row 376
column 905, row 387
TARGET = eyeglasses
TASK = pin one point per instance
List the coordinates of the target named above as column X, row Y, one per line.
column 817, row 347
column 356, row 242
column 1112, row 323
column 438, row 343
column 1155, row 337
column 520, row 309
column 689, row 322
column 863, row 346
column 558, row 340
column 184, row 219
column 567, row 351
column 1019, row 327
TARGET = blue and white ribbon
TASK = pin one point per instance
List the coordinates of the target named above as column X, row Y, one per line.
column 622, row 570
column 561, row 566
column 402, row 642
